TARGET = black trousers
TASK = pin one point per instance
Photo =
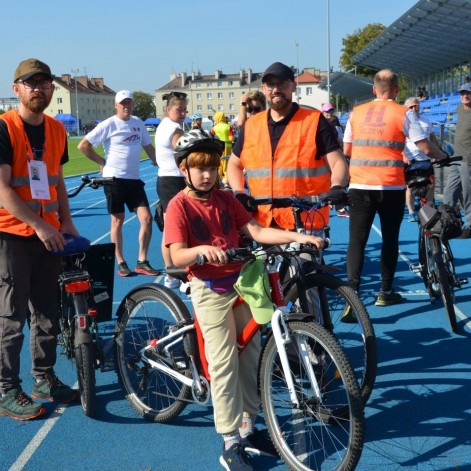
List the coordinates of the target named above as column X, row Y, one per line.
column 389, row 204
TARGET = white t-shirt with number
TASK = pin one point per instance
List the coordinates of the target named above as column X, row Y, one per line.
column 122, row 141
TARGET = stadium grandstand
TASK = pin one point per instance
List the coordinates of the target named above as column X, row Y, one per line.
column 430, row 45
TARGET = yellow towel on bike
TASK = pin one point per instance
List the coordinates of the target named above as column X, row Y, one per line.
column 254, row 288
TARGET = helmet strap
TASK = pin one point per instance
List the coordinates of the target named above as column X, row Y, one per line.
column 189, row 184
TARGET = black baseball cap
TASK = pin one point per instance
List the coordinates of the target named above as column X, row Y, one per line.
column 279, row 70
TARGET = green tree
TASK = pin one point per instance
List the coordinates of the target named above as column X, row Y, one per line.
column 144, row 106
column 354, row 43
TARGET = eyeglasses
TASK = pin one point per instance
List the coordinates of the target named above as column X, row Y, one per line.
column 411, row 107
column 254, row 109
column 280, row 85
column 329, row 111
column 33, row 84
column 179, row 95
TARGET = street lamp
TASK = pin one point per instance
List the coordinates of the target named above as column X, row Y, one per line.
column 328, row 51
column 76, row 71
column 297, row 70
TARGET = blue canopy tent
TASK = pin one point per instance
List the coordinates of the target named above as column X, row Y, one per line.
column 152, row 122
column 68, row 120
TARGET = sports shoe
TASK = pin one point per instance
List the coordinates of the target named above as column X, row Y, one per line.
column 53, row 389
column 412, row 217
column 123, row 269
column 343, row 213
column 171, row 282
column 348, row 316
column 235, row 459
column 259, row 443
column 185, row 288
column 19, row 406
column 388, row 299
column 144, row 268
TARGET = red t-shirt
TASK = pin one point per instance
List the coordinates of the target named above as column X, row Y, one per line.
column 214, row 221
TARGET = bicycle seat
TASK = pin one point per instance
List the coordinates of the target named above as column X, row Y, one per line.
column 74, row 244
column 419, row 182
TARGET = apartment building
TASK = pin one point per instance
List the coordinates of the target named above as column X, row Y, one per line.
column 208, row 94
column 89, row 98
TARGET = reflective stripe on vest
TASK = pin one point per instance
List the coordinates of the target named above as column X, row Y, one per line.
column 24, row 181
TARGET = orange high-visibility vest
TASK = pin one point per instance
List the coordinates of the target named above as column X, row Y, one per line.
column 54, row 145
column 378, row 142
column 292, row 170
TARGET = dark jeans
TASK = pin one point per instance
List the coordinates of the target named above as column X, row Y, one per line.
column 365, row 204
column 28, row 288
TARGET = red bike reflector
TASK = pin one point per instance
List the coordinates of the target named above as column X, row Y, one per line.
column 82, row 322
column 77, row 286
column 153, row 343
column 92, row 312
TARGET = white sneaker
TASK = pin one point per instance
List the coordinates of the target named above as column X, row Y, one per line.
column 185, row 288
column 171, row 282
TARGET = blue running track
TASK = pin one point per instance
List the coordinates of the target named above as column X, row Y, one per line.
column 418, row 417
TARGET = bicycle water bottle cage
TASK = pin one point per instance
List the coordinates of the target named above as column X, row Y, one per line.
column 73, row 245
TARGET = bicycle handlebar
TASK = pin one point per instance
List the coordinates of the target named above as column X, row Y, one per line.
column 448, row 162
column 289, row 202
column 92, row 182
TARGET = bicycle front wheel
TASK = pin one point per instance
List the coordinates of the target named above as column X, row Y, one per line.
column 339, row 308
column 448, row 297
column 147, row 313
column 85, row 362
column 326, row 431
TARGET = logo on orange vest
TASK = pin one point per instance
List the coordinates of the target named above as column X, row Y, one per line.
column 374, row 116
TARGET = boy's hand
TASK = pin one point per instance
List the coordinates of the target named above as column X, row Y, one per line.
column 214, row 254
column 310, row 239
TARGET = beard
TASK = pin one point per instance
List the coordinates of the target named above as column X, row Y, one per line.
column 281, row 103
column 37, row 103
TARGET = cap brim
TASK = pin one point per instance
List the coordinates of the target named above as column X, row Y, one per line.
column 32, row 74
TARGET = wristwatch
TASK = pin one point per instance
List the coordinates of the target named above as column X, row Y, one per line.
column 200, row 259
column 243, row 104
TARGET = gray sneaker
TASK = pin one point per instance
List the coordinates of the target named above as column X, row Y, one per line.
column 123, row 269
column 53, row 389
column 388, row 299
column 19, row 406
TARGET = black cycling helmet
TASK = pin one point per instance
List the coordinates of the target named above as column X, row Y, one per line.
column 197, row 140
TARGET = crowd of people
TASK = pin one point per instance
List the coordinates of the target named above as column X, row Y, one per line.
column 268, row 158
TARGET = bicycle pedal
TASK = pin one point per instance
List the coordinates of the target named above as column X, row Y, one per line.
column 415, row 267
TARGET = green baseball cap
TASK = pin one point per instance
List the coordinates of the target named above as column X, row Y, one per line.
column 253, row 286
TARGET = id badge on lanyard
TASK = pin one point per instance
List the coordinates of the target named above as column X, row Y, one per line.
column 38, row 181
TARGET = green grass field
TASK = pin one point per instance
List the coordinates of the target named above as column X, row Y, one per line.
column 79, row 164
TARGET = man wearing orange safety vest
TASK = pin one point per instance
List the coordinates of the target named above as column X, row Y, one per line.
column 34, row 214
column 374, row 139
column 286, row 151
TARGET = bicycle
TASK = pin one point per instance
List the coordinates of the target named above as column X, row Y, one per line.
column 78, row 314
column 312, row 288
column 310, row 397
column 436, row 264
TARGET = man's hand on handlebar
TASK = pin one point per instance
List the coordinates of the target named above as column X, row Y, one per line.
column 246, row 201
column 338, row 196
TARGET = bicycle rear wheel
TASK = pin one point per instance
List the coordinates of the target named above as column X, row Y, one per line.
column 326, row 431
column 85, row 362
column 147, row 313
column 329, row 298
column 427, row 267
column 448, row 297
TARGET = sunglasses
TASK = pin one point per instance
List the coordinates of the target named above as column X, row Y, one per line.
column 254, row 109
column 413, row 107
column 180, row 95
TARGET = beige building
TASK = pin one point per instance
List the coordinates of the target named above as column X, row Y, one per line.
column 208, row 94
column 308, row 92
column 89, row 98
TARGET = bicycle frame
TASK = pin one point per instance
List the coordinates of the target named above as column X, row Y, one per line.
column 280, row 333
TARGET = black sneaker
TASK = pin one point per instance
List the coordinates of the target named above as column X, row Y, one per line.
column 53, row 389
column 19, row 406
column 259, row 443
column 388, row 299
column 123, row 269
column 235, row 459
column 348, row 316
column 144, row 268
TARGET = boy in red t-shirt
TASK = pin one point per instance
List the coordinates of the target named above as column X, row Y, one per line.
column 203, row 223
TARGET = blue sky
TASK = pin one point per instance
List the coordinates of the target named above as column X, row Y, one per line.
column 137, row 45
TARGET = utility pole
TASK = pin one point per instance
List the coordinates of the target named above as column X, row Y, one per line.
column 297, row 70
column 76, row 71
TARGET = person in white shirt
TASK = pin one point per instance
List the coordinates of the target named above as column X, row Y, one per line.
column 170, row 180
column 123, row 135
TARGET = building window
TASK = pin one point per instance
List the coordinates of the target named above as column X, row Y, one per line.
column 209, row 84
column 308, row 91
column 220, row 107
column 230, row 83
column 60, row 111
column 298, row 91
column 231, row 95
column 232, row 106
column 199, row 107
column 59, row 101
column 209, row 107
column 209, row 96
column 220, row 96
column 199, row 96
column 198, row 85
column 219, row 84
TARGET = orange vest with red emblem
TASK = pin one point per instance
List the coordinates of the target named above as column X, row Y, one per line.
column 54, row 145
column 378, row 141
column 292, row 170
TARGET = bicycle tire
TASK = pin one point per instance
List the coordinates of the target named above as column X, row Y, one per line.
column 447, row 293
column 427, row 266
column 324, row 433
column 357, row 338
column 148, row 313
column 84, row 359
